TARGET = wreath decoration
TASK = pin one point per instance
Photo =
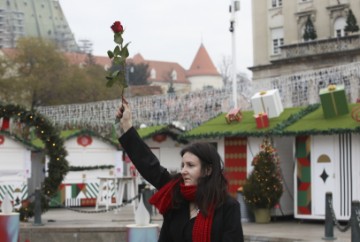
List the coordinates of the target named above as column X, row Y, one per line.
column 54, row 149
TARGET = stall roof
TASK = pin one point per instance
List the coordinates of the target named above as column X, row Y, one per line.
column 150, row 131
column 217, row 127
column 68, row 134
column 174, row 132
column 27, row 144
column 293, row 121
column 315, row 123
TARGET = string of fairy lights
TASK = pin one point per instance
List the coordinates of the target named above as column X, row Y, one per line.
column 192, row 109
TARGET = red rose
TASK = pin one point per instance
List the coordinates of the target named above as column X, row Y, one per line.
column 117, row 27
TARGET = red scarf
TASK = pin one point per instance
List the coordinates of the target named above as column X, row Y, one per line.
column 162, row 201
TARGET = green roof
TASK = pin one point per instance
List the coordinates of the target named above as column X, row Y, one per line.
column 28, row 144
column 315, row 123
column 150, row 131
column 218, row 127
column 68, row 134
column 292, row 121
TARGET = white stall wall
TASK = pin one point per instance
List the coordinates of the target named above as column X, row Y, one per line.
column 284, row 147
column 15, row 169
column 321, row 146
column 168, row 153
column 334, row 169
column 99, row 153
column 14, row 161
column 356, row 167
column 253, row 147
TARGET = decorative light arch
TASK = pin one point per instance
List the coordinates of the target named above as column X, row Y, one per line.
column 54, row 149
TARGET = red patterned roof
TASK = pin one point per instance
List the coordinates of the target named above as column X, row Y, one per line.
column 202, row 64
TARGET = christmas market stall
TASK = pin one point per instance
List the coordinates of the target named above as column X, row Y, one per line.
column 15, row 167
column 90, row 157
column 239, row 142
column 326, row 154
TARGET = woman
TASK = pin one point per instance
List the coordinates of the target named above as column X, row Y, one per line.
column 195, row 203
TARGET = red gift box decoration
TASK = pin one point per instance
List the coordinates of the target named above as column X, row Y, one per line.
column 233, row 115
column 262, row 120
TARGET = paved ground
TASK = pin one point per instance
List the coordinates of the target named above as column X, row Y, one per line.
column 278, row 230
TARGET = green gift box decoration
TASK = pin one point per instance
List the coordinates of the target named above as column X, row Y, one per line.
column 333, row 101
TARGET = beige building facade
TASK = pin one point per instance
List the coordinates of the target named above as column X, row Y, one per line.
column 279, row 46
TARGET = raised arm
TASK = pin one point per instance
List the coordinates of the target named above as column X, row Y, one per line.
column 140, row 154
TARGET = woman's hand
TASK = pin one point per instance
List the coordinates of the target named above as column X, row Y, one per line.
column 124, row 114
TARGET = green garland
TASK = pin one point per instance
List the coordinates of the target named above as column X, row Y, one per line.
column 89, row 168
column 279, row 129
column 54, row 149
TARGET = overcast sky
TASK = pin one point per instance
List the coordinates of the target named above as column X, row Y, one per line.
column 164, row 30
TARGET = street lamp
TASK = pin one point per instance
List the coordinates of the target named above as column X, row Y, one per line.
column 234, row 7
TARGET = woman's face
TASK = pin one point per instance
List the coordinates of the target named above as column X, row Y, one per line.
column 190, row 169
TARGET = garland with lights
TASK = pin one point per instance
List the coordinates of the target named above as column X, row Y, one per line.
column 263, row 188
column 54, row 149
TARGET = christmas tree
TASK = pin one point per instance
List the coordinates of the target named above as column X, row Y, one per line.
column 351, row 23
column 263, row 188
column 309, row 32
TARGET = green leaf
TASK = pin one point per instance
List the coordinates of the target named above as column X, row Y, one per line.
column 110, row 54
column 118, row 38
column 125, row 51
column 115, row 73
column 118, row 60
column 117, row 50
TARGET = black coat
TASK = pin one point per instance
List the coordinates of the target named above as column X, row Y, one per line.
column 226, row 225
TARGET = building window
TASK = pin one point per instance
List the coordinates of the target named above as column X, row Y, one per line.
column 276, row 3
column 277, row 36
column 339, row 26
column 276, row 45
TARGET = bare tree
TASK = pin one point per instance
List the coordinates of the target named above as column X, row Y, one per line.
column 225, row 69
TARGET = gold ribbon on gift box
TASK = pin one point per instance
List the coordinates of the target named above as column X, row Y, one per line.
column 260, row 115
column 332, row 88
column 262, row 101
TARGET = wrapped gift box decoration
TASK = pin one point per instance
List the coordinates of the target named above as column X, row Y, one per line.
column 233, row 115
column 333, row 101
column 267, row 102
column 262, row 120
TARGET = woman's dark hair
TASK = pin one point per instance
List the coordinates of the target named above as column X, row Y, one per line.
column 211, row 187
